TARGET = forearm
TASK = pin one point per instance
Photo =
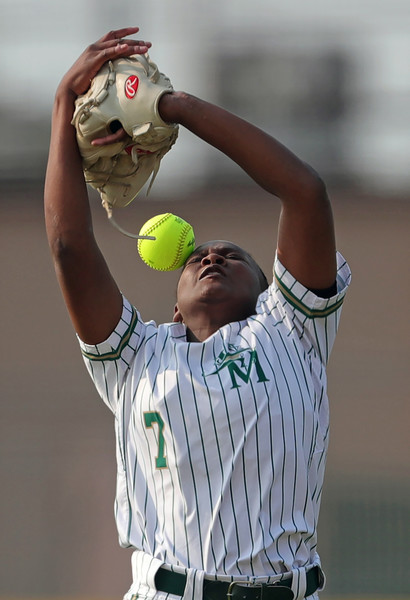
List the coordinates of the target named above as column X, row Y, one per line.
column 270, row 164
column 67, row 208
column 66, row 198
column 90, row 292
column 306, row 243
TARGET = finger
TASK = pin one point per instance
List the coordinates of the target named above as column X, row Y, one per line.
column 115, row 37
column 139, row 44
column 113, row 138
column 123, row 49
column 119, row 33
column 128, row 42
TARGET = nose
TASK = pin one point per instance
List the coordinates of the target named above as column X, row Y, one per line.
column 213, row 258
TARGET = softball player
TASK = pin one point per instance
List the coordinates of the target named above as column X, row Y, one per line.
column 221, row 417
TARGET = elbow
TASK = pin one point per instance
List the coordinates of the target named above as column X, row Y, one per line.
column 68, row 249
column 63, row 253
column 314, row 187
column 59, row 248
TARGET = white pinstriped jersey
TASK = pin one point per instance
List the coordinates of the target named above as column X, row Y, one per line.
column 221, row 444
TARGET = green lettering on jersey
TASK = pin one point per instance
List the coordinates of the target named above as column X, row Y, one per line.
column 150, row 419
column 234, row 361
column 244, row 374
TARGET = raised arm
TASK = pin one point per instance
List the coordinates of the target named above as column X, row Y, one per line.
column 306, row 241
column 92, row 297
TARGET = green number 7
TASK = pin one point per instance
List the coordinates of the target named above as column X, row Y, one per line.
column 150, row 419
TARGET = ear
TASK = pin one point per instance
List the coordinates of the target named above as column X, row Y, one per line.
column 177, row 318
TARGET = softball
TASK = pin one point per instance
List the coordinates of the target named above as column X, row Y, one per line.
column 174, row 242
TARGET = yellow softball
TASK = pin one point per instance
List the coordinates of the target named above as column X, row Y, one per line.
column 174, row 242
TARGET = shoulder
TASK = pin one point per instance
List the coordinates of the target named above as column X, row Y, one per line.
column 125, row 338
column 304, row 317
column 286, row 292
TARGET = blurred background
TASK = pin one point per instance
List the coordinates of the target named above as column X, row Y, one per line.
column 332, row 81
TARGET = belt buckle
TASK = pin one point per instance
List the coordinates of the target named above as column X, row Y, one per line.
column 283, row 592
column 272, row 591
column 245, row 584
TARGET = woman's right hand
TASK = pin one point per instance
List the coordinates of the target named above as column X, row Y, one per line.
column 111, row 46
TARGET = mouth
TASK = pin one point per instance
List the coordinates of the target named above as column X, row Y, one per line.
column 212, row 270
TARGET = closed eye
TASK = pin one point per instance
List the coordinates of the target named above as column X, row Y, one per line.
column 235, row 257
column 194, row 259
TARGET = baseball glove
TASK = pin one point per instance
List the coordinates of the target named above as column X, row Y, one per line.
column 124, row 93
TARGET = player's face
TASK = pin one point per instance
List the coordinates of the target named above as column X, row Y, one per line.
column 223, row 274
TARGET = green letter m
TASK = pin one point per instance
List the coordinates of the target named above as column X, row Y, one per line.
column 234, row 369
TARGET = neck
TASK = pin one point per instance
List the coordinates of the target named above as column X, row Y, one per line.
column 202, row 325
column 199, row 333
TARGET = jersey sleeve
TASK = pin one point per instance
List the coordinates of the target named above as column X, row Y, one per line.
column 108, row 363
column 313, row 319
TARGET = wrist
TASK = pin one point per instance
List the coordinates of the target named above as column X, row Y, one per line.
column 64, row 107
column 170, row 106
column 64, row 94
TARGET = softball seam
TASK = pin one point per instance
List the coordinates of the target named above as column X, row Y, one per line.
column 181, row 241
